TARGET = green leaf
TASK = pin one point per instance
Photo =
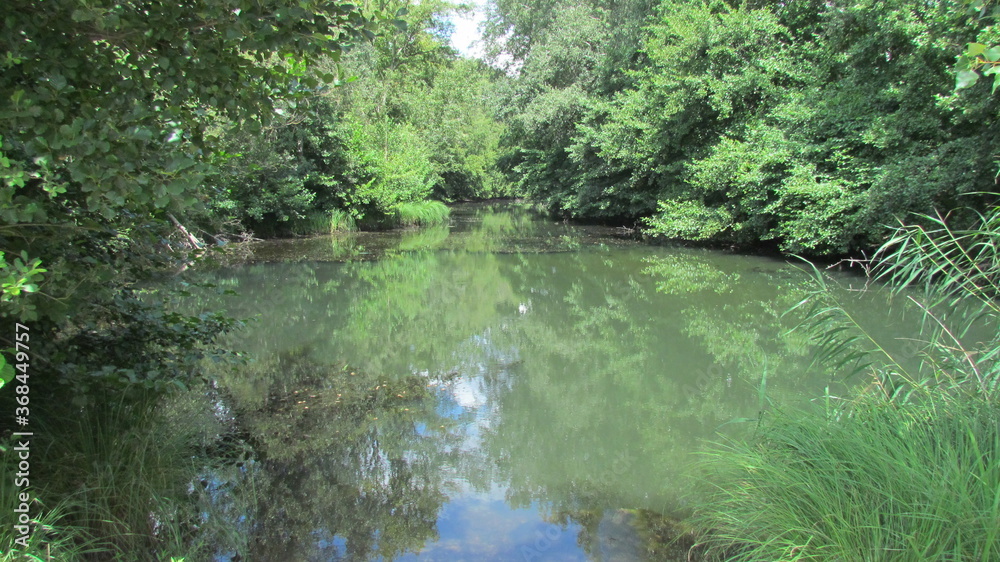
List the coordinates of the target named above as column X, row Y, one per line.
column 966, row 78
column 993, row 54
column 176, row 187
column 974, row 49
column 81, row 15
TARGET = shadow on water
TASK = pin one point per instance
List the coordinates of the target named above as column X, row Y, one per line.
column 517, row 389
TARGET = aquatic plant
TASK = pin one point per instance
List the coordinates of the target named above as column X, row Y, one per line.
column 891, row 481
column 123, row 472
column 904, row 470
column 421, row 213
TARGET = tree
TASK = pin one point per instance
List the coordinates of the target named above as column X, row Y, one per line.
column 414, row 124
column 107, row 112
column 805, row 126
column 426, row 100
column 567, row 60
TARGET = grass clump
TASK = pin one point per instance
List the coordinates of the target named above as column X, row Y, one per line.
column 907, row 469
column 313, row 223
column 421, row 213
column 406, row 215
column 323, row 222
column 50, row 536
column 888, row 482
column 341, row 221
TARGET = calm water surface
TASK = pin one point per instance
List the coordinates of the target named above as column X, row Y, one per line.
column 504, row 388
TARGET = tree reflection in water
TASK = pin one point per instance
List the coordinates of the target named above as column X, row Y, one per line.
column 572, row 375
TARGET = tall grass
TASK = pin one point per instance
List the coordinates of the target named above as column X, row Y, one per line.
column 323, row 222
column 123, row 471
column 314, row 223
column 113, row 483
column 913, row 481
column 421, row 213
column 341, row 221
column 51, row 536
column 907, row 469
column 409, row 214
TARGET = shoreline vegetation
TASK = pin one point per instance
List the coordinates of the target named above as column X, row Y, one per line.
column 905, row 469
column 134, row 135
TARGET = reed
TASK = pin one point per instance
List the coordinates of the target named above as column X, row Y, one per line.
column 888, row 482
column 121, row 471
column 906, row 469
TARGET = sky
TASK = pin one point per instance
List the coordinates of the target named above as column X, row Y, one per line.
column 467, row 31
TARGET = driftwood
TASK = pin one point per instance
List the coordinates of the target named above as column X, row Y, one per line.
column 190, row 240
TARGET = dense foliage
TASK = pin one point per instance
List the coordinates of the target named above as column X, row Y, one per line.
column 412, row 124
column 808, row 126
column 110, row 114
column 109, row 118
column 812, row 126
column 120, row 124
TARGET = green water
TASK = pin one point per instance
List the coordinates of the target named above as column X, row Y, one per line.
column 504, row 388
